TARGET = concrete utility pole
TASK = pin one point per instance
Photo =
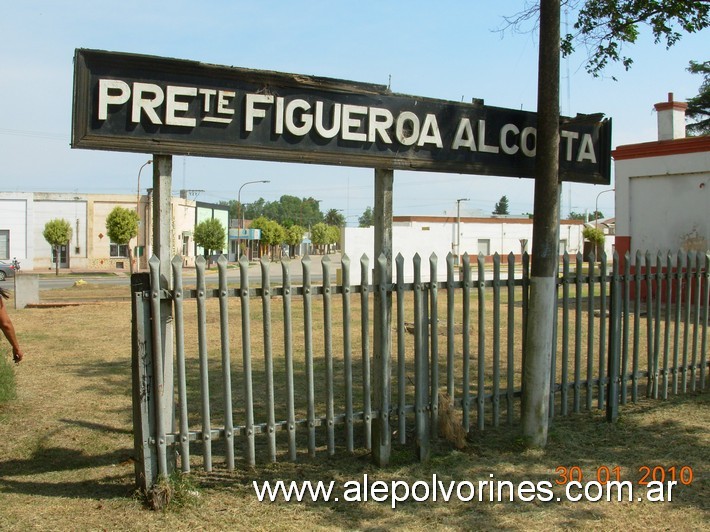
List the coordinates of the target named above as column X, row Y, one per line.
column 541, row 313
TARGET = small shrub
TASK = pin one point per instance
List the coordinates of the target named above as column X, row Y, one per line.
column 8, row 391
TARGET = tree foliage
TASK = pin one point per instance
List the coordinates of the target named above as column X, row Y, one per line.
column 57, row 232
column 294, row 235
column 367, row 219
column 287, row 211
column 605, row 26
column 595, row 215
column 334, row 218
column 272, row 233
column 594, row 235
column 325, row 235
column 699, row 106
column 122, row 225
column 211, row 235
column 502, row 206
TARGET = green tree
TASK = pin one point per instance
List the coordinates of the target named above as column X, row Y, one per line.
column 254, row 210
column 367, row 219
column 502, row 206
column 603, row 27
column 334, row 217
column 233, row 206
column 699, row 106
column 121, row 227
column 596, row 236
column 319, row 234
column 272, row 233
column 595, row 215
column 294, row 237
column 58, row 233
column 211, row 236
column 287, row 211
column 333, row 235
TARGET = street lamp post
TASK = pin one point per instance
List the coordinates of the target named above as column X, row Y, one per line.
column 138, row 203
column 458, row 229
column 138, row 191
column 240, row 212
column 596, row 206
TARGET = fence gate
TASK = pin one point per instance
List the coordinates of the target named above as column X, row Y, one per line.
column 274, row 370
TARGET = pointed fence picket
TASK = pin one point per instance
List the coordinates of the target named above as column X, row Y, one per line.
column 293, row 352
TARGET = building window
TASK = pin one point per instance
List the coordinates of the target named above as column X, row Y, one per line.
column 4, row 243
column 118, row 250
column 185, row 245
column 484, row 246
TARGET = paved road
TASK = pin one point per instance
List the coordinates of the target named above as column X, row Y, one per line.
column 50, row 282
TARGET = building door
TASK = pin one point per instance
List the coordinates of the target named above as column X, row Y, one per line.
column 484, row 246
column 63, row 256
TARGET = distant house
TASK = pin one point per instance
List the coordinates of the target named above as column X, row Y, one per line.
column 442, row 235
column 663, row 189
column 23, row 216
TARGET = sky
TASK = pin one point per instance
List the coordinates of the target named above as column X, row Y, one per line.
column 451, row 50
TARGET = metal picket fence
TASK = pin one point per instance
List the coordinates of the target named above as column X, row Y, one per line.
column 262, row 373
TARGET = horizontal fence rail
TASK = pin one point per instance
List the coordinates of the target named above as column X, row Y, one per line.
column 265, row 372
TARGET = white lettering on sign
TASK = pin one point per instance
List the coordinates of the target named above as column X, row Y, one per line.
column 147, row 97
column 327, row 133
column 112, row 92
column 188, row 107
column 252, row 111
column 173, row 105
column 586, row 150
column 507, row 148
column 380, row 120
column 305, row 119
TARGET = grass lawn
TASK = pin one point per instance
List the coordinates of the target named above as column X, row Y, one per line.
column 66, row 457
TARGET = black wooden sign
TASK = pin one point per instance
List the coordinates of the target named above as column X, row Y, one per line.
column 146, row 104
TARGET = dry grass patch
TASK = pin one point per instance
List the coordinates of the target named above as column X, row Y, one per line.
column 66, row 458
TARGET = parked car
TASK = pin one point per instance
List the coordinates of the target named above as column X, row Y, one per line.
column 6, row 270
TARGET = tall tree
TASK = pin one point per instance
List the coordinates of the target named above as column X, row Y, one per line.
column 294, row 237
column 211, row 236
column 367, row 219
column 272, row 233
column 121, row 227
column 58, row 233
column 502, row 206
column 320, row 235
column 603, row 27
column 334, row 217
column 699, row 106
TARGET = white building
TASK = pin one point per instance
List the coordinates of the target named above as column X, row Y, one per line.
column 23, row 216
column 438, row 234
column 663, row 189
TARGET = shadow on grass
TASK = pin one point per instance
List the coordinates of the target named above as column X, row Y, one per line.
column 16, row 476
column 652, row 433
